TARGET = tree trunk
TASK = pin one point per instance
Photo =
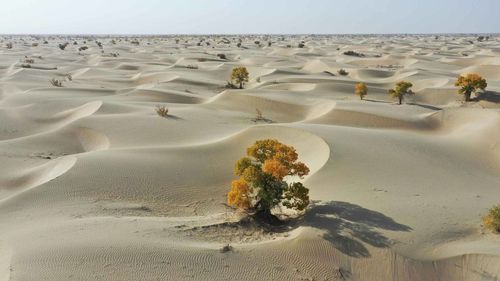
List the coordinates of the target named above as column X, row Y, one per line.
column 400, row 98
column 241, row 85
column 467, row 96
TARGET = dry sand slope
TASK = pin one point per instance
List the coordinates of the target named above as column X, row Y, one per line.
column 95, row 186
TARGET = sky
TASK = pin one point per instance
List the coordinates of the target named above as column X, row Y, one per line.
column 248, row 16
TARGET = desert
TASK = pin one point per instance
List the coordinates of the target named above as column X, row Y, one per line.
column 117, row 156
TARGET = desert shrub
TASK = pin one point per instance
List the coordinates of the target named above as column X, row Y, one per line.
column 262, row 186
column 29, row 60
column 75, row 43
column 9, row 45
column 68, row 77
column 192, row 66
column 161, row 110
column 361, row 90
column 470, row 83
column 353, row 53
column 492, row 219
column 222, row 56
column 343, row 72
column 115, row 55
column 269, row 44
column 34, row 44
column 135, row 42
column 26, row 65
column 45, row 42
column 63, row 46
column 238, row 45
column 480, row 38
column 401, row 90
column 258, row 79
column 56, row 82
column 202, row 59
column 83, row 48
column 240, row 75
column 301, row 45
column 257, row 42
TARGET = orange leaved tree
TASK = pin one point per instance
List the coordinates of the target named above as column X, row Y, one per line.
column 361, row 90
column 263, row 184
column 469, row 84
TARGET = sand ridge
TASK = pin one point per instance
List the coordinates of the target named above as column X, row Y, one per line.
column 94, row 185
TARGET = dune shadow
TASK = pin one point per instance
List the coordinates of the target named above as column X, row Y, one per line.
column 170, row 116
column 488, row 96
column 347, row 226
column 431, row 107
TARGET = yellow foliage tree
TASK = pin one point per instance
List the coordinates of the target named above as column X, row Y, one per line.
column 402, row 89
column 361, row 90
column 240, row 75
column 470, row 83
column 492, row 219
column 262, row 185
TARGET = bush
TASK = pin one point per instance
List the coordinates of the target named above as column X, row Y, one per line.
column 240, row 75
column 353, row 53
column 301, row 45
column 262, row 186
column 492, row 219
column 192, row 66
column 34, row 44
column 343, row 72
column 63, row 46
column 83, row 48
column 222, row 56
column 162, row 110
column 56, row 82
column 9, row 45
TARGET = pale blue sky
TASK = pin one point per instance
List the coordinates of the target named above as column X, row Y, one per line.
column 248, row 16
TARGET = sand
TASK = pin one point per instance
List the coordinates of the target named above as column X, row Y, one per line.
column 94, row 185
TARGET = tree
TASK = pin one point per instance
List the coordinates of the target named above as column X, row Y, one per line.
column 240, row 75
column 402, row 89
column 469, row 84
column 492, row 219
column 361, row 90
column 262, row 185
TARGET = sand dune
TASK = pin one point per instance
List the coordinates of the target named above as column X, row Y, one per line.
column 94, row 185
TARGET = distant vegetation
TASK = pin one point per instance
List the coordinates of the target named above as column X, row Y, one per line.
column 401, row 90
column 492, row 219
column 240, row 75
column 63, row 46
column 469, row 84
column 343, row 72
column 262, row 186
column 361, row 90
column 353, row 54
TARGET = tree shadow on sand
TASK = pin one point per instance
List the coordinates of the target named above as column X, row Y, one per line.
column 348, row 226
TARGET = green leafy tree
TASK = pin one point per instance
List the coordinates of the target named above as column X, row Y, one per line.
column 240, row 75
column 401, row 90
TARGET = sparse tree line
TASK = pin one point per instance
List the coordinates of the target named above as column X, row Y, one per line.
column 470, row 83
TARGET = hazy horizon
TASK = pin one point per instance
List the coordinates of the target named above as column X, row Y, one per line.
column 198, row 17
